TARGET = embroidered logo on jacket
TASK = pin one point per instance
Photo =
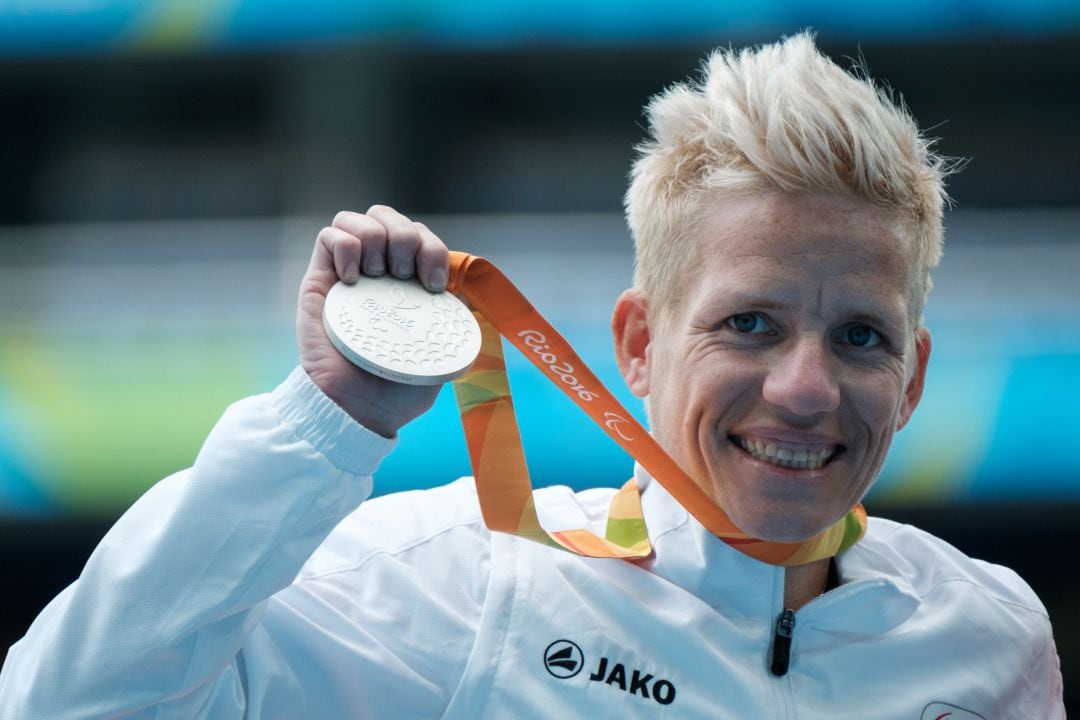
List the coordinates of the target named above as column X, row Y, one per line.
column 944, row 711
column 563, row 659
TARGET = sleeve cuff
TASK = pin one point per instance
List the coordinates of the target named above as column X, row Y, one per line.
column 321, row 422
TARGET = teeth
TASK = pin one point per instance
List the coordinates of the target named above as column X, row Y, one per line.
column 802, row 458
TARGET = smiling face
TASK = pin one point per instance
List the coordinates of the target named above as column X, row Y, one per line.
column 790, row 359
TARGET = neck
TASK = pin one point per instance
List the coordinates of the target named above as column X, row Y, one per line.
column 803, row 583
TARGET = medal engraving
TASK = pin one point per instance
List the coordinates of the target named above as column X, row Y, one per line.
column 398, row 330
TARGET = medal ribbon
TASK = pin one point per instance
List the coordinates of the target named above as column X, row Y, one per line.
column 498, row 458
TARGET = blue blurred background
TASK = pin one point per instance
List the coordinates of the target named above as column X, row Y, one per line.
column 167, row 164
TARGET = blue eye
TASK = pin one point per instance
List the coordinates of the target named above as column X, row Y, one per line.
column 861, row 336
column 750, row 323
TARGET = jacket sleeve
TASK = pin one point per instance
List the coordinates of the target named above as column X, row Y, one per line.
column 1044, row 691
column 154, row 624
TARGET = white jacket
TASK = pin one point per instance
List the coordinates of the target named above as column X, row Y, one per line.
column 228, row 592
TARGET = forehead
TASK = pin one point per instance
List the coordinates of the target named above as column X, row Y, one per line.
column 838, row 245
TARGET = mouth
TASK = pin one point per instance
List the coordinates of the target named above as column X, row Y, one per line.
column 796, row 457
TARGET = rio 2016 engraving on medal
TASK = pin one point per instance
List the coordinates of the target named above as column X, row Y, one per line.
column 398, row 330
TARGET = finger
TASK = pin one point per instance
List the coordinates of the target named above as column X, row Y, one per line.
column 372, row 235
column 322, row 257
column 342, row 250
column 433, row 260
column 403, row 240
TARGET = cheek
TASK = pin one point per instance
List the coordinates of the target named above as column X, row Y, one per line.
column 720, row 384
column 689, row 387
column 876, row 402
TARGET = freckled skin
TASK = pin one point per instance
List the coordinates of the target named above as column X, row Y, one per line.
column 808, row 276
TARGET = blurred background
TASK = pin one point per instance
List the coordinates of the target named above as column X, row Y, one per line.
column 166, row 165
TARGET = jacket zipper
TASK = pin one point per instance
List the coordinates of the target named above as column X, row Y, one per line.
column 785, row 629
column 781, row 646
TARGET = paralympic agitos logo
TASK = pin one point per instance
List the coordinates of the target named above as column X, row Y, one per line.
column 564, row 660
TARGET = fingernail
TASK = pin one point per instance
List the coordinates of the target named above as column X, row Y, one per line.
column 437, row 280
column 404, row 269
column 376, row 266
column 352, row 273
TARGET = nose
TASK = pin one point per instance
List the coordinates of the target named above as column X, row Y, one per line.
column 802, row 378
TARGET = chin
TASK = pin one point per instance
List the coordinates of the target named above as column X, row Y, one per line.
column 779, row 527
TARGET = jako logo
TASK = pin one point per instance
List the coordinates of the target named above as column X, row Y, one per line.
column 638, row 683
column 563, row 659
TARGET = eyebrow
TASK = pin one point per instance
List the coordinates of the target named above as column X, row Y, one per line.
column 739, row 297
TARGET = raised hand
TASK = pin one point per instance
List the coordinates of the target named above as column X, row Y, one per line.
column 373, row 243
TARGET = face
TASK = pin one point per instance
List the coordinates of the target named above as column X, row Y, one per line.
column 779, row 378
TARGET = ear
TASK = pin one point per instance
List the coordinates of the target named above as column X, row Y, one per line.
column 913, row 391
column 630, row 328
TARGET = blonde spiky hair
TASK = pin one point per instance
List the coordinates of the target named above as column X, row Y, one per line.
column 779, row 118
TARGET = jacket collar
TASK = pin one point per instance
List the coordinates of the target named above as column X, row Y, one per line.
column 874, row 595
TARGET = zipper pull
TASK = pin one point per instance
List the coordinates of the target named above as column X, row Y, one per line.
column 781, row 652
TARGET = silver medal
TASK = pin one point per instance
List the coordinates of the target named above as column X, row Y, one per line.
column 398, row 330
